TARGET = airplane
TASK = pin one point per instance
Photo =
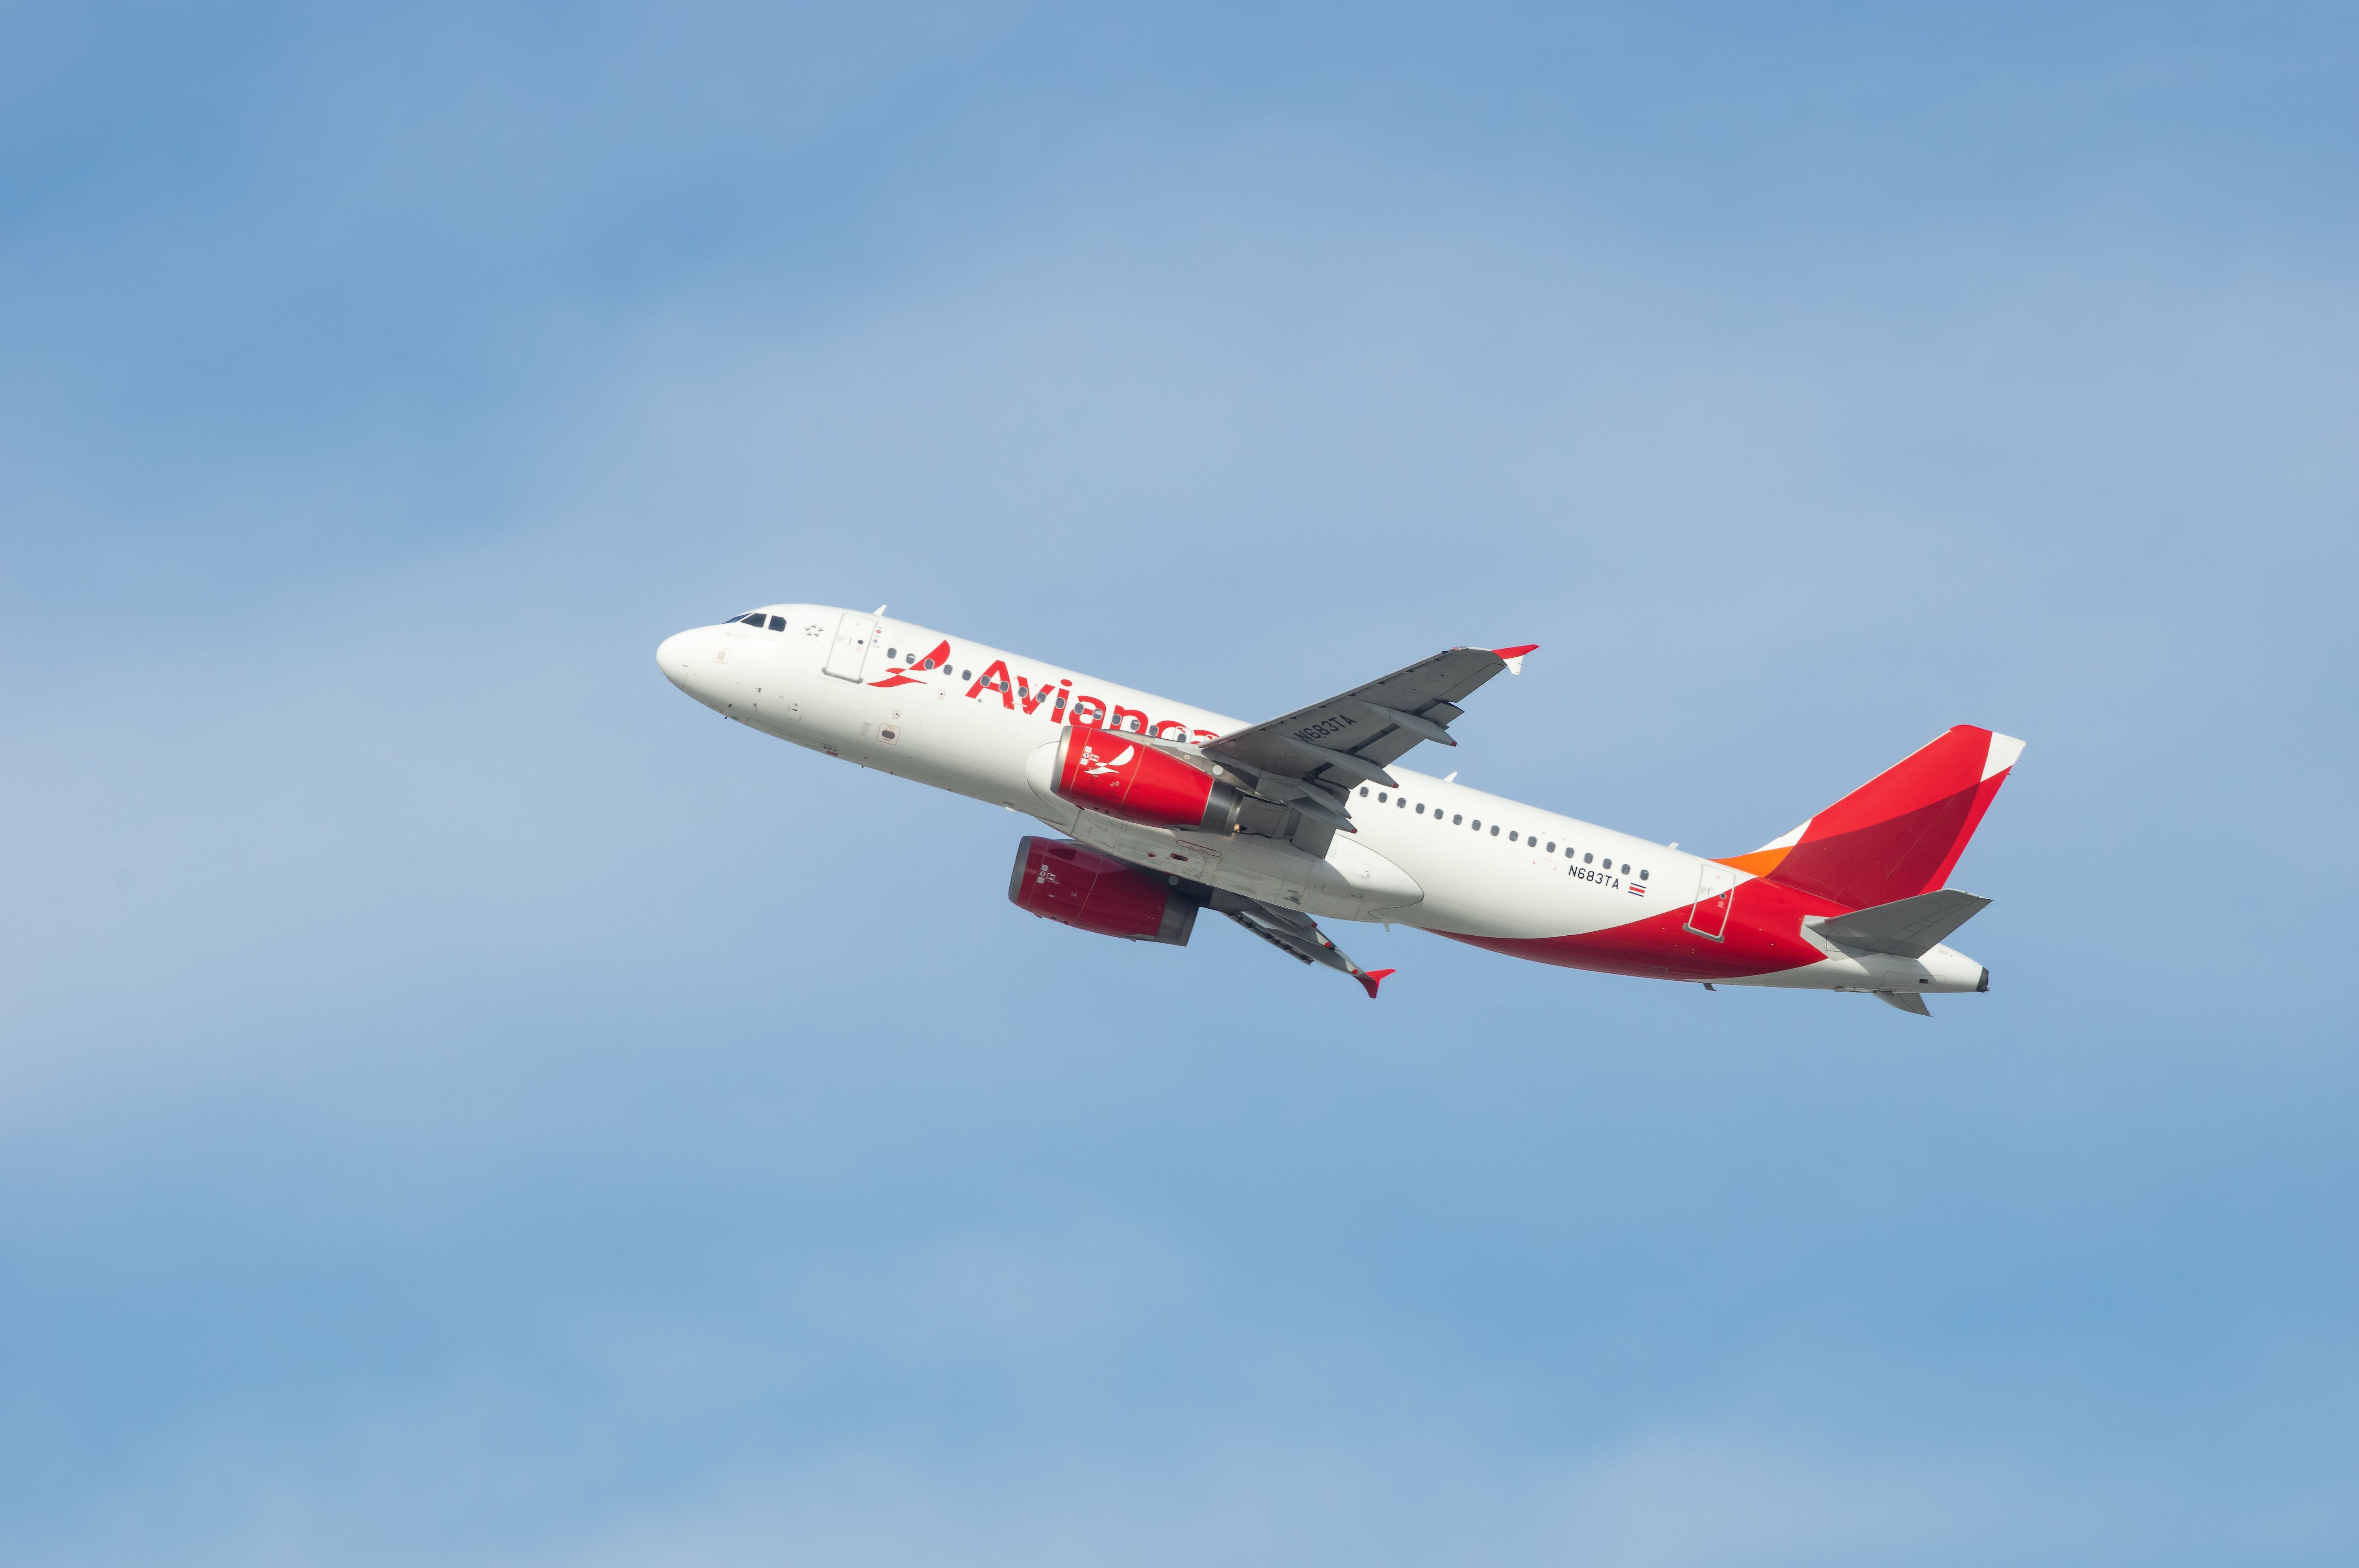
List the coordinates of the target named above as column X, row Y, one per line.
column 1164, row 810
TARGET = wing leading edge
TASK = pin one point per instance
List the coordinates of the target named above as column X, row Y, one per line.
column 1310, row 760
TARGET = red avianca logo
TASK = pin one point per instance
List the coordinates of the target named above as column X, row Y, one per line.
column 901, row 676
column 1060, row 704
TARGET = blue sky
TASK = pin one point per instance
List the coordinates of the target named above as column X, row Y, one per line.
column 461, row 1104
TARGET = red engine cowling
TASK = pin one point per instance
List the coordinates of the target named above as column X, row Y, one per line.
column 1108, row 771
column 1074, row 886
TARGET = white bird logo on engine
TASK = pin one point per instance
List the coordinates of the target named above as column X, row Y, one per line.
column 1096, row 766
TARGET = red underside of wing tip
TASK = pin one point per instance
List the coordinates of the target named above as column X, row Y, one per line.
column 1516, row 652
column 1372, row 978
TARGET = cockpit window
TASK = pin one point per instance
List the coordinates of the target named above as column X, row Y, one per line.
column 778, row 623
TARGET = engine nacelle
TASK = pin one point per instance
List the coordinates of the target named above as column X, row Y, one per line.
column 1074, row 886
column 1115, row 773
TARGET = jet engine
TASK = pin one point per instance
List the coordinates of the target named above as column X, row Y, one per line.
column 1117, row 774
column 1064, row 881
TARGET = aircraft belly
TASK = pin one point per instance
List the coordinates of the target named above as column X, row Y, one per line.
column 1351, row 883
column 1376, row 884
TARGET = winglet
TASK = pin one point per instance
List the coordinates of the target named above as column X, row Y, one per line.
column 1514, row 657
column 1370, row 978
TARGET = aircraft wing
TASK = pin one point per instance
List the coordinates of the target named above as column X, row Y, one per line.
column 1312, row 760
column 1292, row 930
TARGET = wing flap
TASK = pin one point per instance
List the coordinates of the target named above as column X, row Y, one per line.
column 1292, row 932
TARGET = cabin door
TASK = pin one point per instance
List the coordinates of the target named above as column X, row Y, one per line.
column 854, row 635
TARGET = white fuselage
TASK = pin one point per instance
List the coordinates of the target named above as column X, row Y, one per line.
column 1418, row 858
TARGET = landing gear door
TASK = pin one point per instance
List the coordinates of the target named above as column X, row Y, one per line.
column 1715, row 889
column 855, row 634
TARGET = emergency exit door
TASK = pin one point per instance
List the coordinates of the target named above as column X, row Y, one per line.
column 1715, row 889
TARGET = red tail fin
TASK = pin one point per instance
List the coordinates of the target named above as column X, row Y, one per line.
column 1898, row 834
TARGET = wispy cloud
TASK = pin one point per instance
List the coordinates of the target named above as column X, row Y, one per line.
column 462, row 1104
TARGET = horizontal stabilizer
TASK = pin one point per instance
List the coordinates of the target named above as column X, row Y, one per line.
column 1907, row 927
column 1907, row 1002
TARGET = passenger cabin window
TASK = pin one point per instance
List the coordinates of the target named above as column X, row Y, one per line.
column 1552, row 848
column 1456, row 817
column 1494, row 830
column 1642, row 876
column 1403, row 804
column 1587, row 860
column 1626, row 867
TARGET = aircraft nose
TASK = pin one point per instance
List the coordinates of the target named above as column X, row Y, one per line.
column 676, row 655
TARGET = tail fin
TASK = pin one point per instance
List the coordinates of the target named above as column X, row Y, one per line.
column 1898, row 834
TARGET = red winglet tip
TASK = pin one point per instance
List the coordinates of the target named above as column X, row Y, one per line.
column 1514, row 657
column 1372, row 978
